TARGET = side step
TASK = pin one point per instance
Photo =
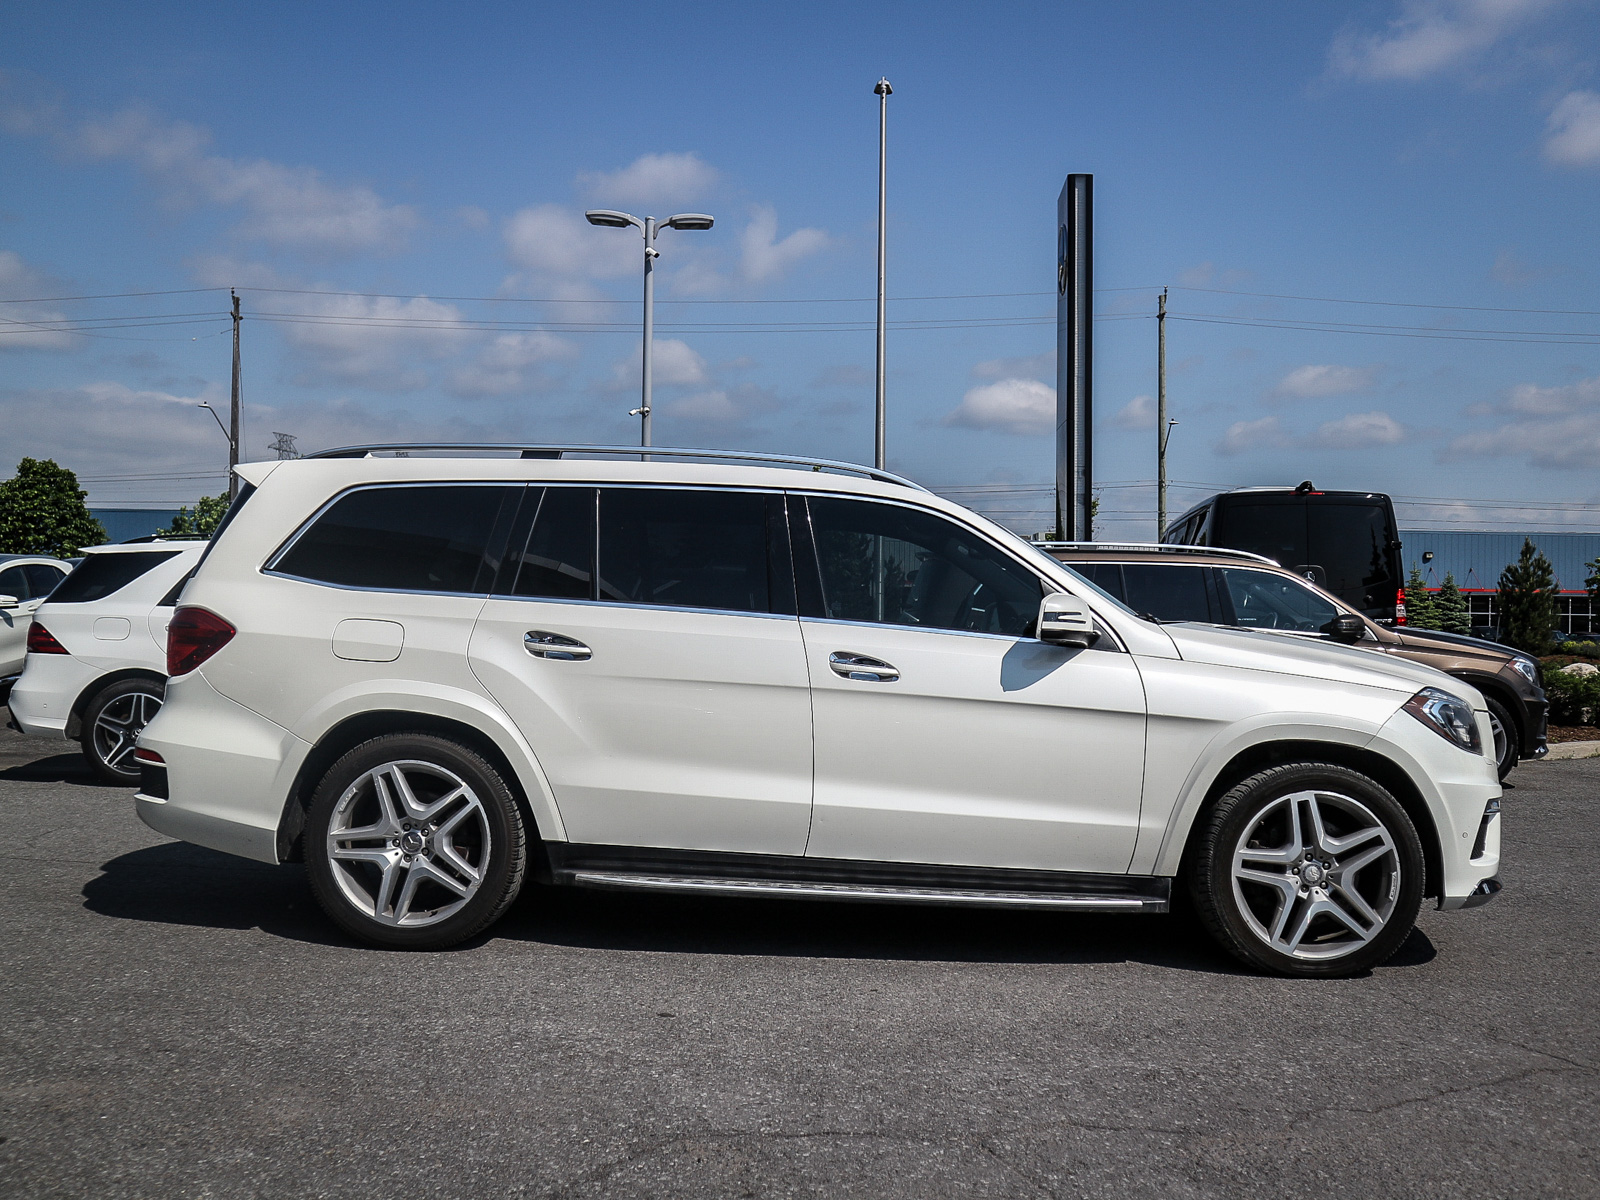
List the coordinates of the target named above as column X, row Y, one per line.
column 799, row 878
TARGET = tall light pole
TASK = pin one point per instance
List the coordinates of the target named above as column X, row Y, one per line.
column 1163, row 430
column 236, row 406
column 649, row 227
column 233, row 445
column 883, row 91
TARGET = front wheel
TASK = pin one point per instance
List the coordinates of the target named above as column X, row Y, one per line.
column 112, row 723
column 414, row 842
column 1507, row 741
column 1308, row 869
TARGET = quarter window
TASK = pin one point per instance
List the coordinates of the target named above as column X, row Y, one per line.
column 898, row 566
column 420, row 539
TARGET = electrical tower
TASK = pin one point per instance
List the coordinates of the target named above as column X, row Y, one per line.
column 283, row 445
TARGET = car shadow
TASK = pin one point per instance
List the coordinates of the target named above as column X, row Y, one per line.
column 59, row 768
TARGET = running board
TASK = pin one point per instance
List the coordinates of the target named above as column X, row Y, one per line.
column 799, row 878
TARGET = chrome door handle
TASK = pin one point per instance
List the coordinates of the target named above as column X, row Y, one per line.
column 862, row 667
column 543, row 644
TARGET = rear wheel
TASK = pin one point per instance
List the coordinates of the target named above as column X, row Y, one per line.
column 112, row 723
column 1507, row 740
column 414, row 842
column 1308, row 869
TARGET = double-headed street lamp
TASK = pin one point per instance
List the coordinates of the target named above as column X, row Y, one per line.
column 649, row 227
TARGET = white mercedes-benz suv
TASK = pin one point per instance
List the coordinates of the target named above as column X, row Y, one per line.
column 432, row 674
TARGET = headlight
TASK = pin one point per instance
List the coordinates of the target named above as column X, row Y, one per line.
column 1448, row 716
column 1528, row 669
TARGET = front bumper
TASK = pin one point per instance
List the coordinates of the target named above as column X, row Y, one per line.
column 1536, row 745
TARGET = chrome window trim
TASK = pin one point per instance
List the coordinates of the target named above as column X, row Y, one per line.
column 630, row 604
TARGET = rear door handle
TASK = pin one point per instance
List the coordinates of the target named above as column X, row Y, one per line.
column 541, row 643
column 862, row 667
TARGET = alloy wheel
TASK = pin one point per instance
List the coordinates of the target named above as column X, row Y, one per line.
column 409, row 843
column 117, row 728
column 1316, row 875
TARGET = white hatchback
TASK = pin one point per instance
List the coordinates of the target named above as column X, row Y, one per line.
column 96, row 668
column 429, row 676
column 25, row 581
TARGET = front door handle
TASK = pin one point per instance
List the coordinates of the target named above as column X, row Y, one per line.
column 541, row 643
column 862, row 667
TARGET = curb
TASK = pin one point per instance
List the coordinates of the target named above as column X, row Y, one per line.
column 1573, row 750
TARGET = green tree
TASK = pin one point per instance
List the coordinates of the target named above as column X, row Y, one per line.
column 1528, row 601
column 1450, row 608
column 202, row 522
column 1421, row 612
column 42, row 512
column 1592, row 585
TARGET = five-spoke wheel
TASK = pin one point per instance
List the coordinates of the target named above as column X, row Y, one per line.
column 112, row 723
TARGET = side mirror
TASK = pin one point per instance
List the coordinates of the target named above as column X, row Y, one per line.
column 1346, row 627
column 1064, row 620
column 9, row 602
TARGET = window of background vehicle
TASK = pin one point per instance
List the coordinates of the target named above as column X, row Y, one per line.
column 100, row 575
column 689, row 548
column 1264, row 600
column 1170, row 591
column 414, row 538
column 14, row 583
column 884, row 563
column 1349, row 547
column 42, row 578
column 1275, row 528
column 557, row 561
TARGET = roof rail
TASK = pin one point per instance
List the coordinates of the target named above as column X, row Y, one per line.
column 556, row 450
column 1158, row 547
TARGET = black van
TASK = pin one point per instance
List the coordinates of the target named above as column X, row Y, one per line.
column 1346, row 542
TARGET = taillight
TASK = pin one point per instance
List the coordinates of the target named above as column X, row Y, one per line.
column 1400, row 607
column 149, row 756
column 194, row 635
column 42, row 641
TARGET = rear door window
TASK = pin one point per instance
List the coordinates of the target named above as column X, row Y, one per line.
column 1349, row 552
column 557, row 560
column 1170, row 592
column 101, row 575
column 14, row 582
column 419, row 538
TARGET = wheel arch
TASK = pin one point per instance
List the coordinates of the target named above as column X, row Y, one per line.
column 97, row 685
column 1382, row 770
column 1496, row 689
column 353, row 730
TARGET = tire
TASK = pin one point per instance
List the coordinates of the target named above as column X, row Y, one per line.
column 112, row 723
column 1309, row 869
column 1507, row 737
column 414, row 842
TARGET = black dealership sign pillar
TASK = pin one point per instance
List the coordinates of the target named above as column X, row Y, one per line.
column 1074, row 357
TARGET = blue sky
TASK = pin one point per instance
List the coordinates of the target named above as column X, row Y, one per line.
column 434, row 162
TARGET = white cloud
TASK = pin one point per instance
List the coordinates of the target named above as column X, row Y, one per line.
column 1317, row 380
column 719, row 406
column 674, row 364
column 1138, row 413
column 285, row 206
column 651, row 179
column 1358, row 431
column 763, row 257
column 512, row 362
column 19, row 323
column 1551, row 427
column 1244, row 436
column 554, row 239
column 1534, row 400
column 1021, row 406
column 1430, row 36
column 1573, row 137
column 1032, row 366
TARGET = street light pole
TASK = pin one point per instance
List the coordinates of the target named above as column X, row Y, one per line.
column 883, row 91
column 1161, row 417
column 650, row 227
column 235, row 433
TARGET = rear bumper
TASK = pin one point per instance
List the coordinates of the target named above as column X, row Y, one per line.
column 41, row 700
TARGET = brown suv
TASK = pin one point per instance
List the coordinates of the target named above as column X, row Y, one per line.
column 1231, row 587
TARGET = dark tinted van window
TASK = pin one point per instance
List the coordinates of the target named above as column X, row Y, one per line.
column 557, row 561
column 1350, row 552
column 407, row 538
column 1172, row 593
column 687, row 548
column 99, row 575
column 1276, row 529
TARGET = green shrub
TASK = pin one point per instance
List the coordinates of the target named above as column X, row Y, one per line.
column 1574, row 699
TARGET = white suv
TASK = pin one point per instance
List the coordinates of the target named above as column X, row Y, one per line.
column 432, row 675
column 97, row 664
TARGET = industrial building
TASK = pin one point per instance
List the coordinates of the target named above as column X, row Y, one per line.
column 1476, row 559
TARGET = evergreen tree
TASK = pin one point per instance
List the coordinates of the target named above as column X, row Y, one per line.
column 1421, row 612
column 42, row 512
column 202, row 522
column 1450, row 608
column 1528, row 601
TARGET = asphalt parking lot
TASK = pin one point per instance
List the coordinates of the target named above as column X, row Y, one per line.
column 174, row 1022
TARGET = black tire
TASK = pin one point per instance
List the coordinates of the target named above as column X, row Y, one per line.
column 1254, row 818
column 489, row 839
column 112, row 722
column 1510, row 753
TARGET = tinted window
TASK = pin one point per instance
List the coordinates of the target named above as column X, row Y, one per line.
column 1349, row 552
column 1172, row 593
column 42, row 578
column 14, row 583
column 1262, row 600
column 424, row 539
column 1105, row 576
column 558, row 559
column 884, row 563
column 685, row 548
column 99, row 575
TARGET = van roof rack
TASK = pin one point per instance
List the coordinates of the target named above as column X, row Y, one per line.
column 1157, row 548
column 557, row 450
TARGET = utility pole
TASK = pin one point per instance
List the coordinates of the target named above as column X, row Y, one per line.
column 233, row 434
column 883, row 91
column 1161, row 417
